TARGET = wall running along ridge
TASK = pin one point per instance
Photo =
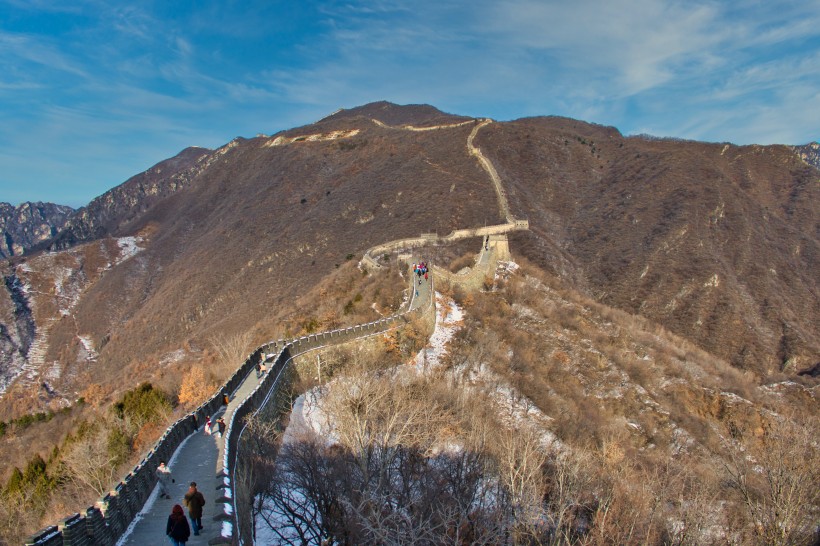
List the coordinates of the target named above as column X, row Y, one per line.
column 103, row 523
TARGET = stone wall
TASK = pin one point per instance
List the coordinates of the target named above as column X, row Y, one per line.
column 103, row 523
column 371, row 257
column 233, row 517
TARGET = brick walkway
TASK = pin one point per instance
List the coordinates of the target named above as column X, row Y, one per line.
column 196, row 460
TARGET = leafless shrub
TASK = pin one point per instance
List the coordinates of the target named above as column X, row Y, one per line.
column 232, row 350
column 467, row 260
column 17, row 518
column 776, row 481
column 521, row 457
column 89, row 463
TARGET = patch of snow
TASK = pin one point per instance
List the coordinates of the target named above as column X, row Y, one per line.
column 732, row 397
column 54, row 371
column 449, row 320
column 129, row 247
column 516, row 410
column 172, row 357
column 504, row 269
column 682, row 440
column 525, row 312
column 308, row 419
column 376, row 309
column 87, row 352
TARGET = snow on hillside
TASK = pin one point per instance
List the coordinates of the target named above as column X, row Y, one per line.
column 307, row 418
column 129, row 246
column 87, row 353
column 449, row 319
column 52, row 285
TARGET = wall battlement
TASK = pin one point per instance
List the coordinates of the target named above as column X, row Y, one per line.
column 104, row 523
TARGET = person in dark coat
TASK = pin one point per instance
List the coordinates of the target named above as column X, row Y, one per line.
column 220, row 423
column 177, row 527
column 194, row 500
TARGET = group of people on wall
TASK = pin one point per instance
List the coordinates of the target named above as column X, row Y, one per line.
column 177, row 528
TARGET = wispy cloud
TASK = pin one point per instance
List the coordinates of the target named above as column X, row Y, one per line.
column 118, row 86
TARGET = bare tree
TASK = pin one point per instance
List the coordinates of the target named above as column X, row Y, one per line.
column 17, row 518
column 301, row 504
column 89, row 463
column 374, row 415
column 385, row 480
column 232, row 350
column 777, row 480
column 521, row 458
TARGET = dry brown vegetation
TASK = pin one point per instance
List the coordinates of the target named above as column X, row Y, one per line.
column 650, row 415
column 83, row 469
column 711, row 241
column 423, row 459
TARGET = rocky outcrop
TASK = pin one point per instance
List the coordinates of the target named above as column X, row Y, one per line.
column 29, row 224
column 107, row 214
column 17, row 336
column 810, row 153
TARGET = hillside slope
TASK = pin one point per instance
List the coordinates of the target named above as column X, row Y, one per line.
column 261, row 221
column 717, row 243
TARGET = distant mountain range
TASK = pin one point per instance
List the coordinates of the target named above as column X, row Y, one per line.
column 29, row 224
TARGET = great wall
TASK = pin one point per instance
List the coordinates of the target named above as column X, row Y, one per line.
column 114, row 518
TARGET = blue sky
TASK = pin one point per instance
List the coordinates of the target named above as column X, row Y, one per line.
column 95, row 91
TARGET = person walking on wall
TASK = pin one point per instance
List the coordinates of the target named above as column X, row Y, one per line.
column 194, row 500
column 165, row 480
column 220, row 423
column 177, row 528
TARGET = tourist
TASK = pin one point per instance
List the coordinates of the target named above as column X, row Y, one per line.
column 165, row 480
column 177, row 527
column 194, row 501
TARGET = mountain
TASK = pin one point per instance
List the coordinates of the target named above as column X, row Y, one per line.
column 111, row 212
column 29, row 224
column 717, row 243
column 420, row 115
column 810, row 153
column 665, row 307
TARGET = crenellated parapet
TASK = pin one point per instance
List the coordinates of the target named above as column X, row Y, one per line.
column 105, row 522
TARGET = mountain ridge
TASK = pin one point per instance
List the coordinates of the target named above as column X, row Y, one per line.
column 664, row 293
column 28, row 224
column 310, row 196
